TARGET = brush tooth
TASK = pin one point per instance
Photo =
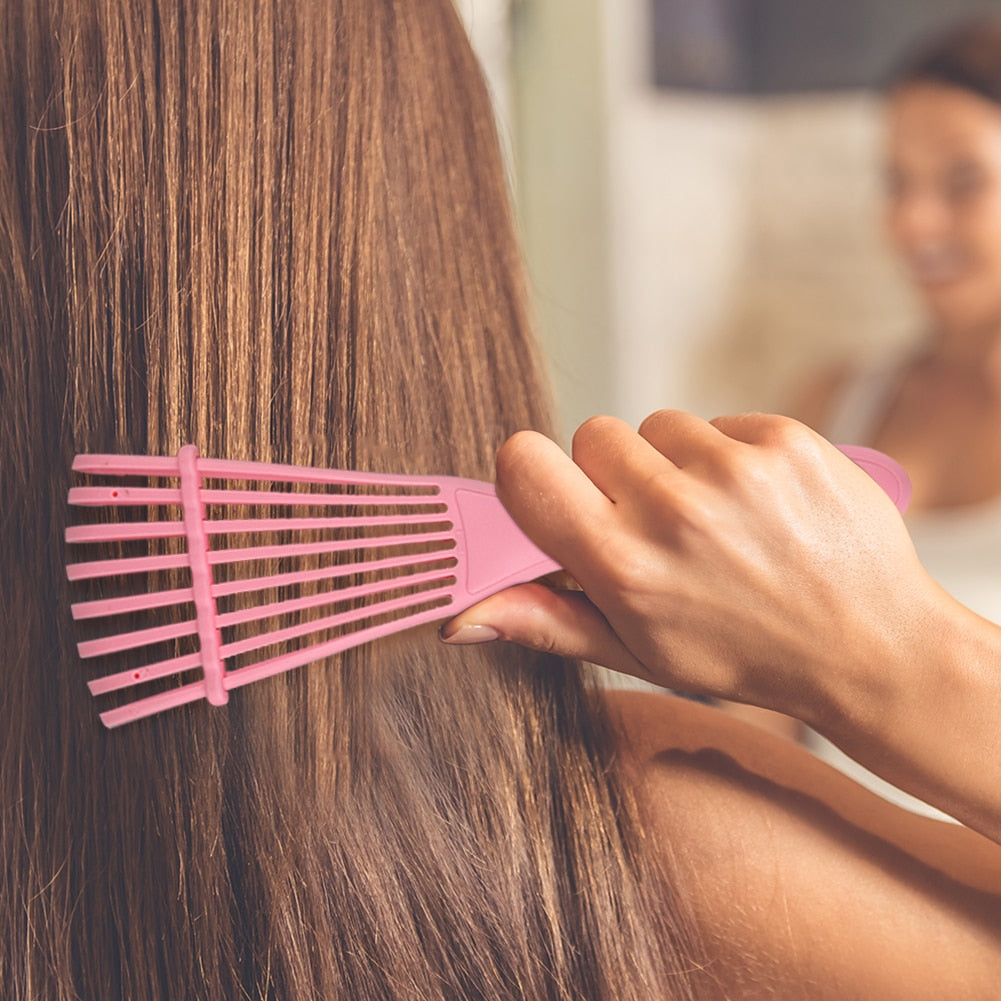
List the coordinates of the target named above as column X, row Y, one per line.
column 379, row 551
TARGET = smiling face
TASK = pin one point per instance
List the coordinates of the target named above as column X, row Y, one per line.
column 944, row 200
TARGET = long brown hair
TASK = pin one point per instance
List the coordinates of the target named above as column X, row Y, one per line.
column 280, row 230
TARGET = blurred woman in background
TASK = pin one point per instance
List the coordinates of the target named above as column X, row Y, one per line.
column 938, row 409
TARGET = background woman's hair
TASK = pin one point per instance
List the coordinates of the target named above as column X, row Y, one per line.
column 281, row 231
column 967, row 56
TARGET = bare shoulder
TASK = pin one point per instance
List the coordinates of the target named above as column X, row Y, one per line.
column 800, row 877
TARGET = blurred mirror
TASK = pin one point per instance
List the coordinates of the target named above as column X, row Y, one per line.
column 700, row 189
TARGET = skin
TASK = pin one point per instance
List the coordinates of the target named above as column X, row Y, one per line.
column 801, row 882
column 748, row 559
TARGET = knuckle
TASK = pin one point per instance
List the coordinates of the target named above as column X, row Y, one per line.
column 595, row 431
column 542, row 639
column 691, row 516
column 516, row 453
column 657, row 422
column 784, row 433
column 662, row 490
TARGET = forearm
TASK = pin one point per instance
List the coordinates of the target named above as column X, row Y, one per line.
column 928, row 720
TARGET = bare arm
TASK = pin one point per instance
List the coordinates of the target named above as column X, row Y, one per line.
column 802, row 883
column 748, row 559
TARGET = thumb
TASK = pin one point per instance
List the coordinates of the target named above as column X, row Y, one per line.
column 547, row 619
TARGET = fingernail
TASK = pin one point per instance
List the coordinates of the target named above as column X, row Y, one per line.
column 468, row 635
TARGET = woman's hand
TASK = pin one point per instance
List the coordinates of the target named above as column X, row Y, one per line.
column 744, row 558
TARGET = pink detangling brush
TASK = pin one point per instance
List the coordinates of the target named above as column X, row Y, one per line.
column 349, row 557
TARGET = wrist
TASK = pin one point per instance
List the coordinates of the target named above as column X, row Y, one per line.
column 918, row 705
column 957, row 756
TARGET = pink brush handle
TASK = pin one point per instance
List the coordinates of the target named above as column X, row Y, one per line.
column 885, row 471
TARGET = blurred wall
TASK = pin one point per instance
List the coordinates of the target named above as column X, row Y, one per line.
column 679, row 217
column 817, row 284
column 560, row 128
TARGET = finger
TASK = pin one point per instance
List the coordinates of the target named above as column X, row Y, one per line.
column 550, row 497
column 683, row 438
column 541, row 618
column 767, row 429
column 615, row 457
